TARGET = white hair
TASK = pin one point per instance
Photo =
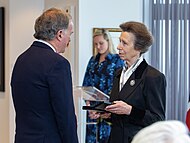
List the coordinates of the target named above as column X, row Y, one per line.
column 163, row 132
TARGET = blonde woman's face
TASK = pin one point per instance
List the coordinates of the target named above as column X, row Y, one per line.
column 101, row 44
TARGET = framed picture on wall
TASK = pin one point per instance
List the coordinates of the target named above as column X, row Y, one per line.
column 2, row 51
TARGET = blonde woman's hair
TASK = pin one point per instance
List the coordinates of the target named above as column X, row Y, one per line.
column 105, row 33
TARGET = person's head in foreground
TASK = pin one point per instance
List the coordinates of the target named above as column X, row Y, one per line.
column 163, row 132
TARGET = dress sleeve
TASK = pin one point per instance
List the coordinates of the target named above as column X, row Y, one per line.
column 87, row 77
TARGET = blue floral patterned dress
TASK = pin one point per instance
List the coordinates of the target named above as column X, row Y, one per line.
column 100, row 75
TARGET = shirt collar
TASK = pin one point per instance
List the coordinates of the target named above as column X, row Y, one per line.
column 47, row 44
column 135, row 65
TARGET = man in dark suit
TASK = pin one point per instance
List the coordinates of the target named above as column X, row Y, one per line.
column 139, row 90
column 42, row 84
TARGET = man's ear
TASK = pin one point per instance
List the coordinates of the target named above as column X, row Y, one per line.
column 60, row 34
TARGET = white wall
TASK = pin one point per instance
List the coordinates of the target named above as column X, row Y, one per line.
column 59, row 3
column 4, row 96
column 103, row 14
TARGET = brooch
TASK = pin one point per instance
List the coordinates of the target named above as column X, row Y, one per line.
column 132, row 82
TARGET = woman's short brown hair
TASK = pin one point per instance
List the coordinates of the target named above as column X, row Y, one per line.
column 143, row 38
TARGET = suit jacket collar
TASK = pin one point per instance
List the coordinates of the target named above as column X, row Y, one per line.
column 41, row 45
column 133, row 81
column 138, row 72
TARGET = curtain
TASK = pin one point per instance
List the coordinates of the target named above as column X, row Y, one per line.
column 168, row 20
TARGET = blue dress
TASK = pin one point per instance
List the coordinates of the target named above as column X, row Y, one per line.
column 100, row 75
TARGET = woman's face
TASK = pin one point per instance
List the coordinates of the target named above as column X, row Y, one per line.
column 126, row 47
column 100, row 44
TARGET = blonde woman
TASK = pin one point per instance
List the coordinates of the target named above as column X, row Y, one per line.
column 100, row 73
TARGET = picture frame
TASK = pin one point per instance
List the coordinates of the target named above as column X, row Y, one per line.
column 115, row 33
column 2, row 49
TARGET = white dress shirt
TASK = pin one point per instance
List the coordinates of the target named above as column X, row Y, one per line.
column 127, row 72
column 47, row 44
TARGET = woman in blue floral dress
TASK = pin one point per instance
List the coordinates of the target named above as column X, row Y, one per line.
column 99, row 73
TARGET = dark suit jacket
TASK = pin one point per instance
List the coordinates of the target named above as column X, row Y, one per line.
column 43, row 99
column 147, row 97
